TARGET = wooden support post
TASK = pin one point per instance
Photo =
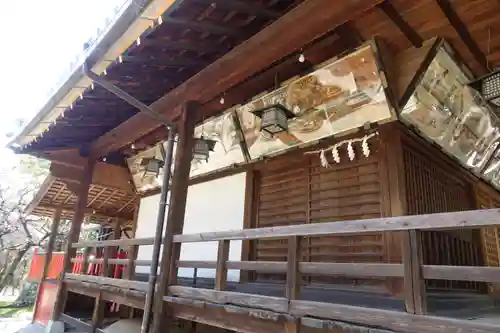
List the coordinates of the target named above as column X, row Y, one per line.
column 107, row 271
column 56, row 219
column 98, row 313
column 414, row 284
column 132, row 256
column 176, row 212
column 85, row 265
column 293, row 275
column 221, row 271
column 249, row 216
column 74, row 235
column 130, row 270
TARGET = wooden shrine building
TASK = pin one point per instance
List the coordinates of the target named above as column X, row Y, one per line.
column 328, row 166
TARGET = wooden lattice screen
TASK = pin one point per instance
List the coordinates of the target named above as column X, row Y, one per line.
column 296, row 189
column 490, row 236
column 434, row 188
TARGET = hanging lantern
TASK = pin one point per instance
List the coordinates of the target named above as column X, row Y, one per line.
column 489, row 87
column 152, row 166
column 202, row 148
column 274, row 118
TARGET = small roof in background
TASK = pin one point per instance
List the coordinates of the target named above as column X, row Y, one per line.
column 103, row 204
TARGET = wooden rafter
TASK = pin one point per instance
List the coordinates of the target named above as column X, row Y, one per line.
column 283, row 37
column 398, row 20
column 463, row 32
column 243, row 7
column 203, row 27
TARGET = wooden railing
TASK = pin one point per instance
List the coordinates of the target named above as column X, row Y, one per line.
column 411, row 270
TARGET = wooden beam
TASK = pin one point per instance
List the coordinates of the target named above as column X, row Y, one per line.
column 90, row 211
column 439, row 221
column 198, row 46
column 177, row 207
column 203, row 26
column 162, row 62
column 292, row 288
column 242, row 7
column 107, row 270
column 283, row 37
column 106, row 175
column 99, row 280
column 392, row 320
column 277, row 304
column 221, row 269
column 461, row 273
column 406, row 29
column 227, row 317
column 73, row 236
column 464, row 34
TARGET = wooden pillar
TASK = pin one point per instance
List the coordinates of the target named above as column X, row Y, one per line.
column 74, row 235
column 414, row 283
column 107, row 271
column 249, row 218
column 401, row 246
column 176, row 212
column 56, row 219
column 221, row 270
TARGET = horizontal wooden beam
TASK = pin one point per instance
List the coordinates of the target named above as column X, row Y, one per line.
column 277, row 304
column 362, row 270
column 454, row 220
column 228, row 317
column 393, row 320
column 106, row 175
column 117, row 242
column 461, row 273
column 365, row 270
column 99, row 280
column 105, row 213
column 113, row 294
column 302, row 25
column 124, row 262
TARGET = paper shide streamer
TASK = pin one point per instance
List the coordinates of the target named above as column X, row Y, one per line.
column 351, row 153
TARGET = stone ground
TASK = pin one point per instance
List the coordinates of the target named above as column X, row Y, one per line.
column 21, row 323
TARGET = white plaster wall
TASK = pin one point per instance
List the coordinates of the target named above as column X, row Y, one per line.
column 216, row 205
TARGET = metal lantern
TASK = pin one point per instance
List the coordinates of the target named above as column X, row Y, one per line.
column 152, row 166
column 274, row 118
column 489, row 87
column 202, row 148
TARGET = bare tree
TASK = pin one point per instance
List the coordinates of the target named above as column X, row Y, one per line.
column 19, row 233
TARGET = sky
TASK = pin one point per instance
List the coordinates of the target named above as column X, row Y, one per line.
column 39, row 39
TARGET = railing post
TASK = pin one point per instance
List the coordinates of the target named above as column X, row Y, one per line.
column 293, row 274
column 414, row 283
column 107, row 270
column 222, row 258
column 130, row 272
column 85, row 264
